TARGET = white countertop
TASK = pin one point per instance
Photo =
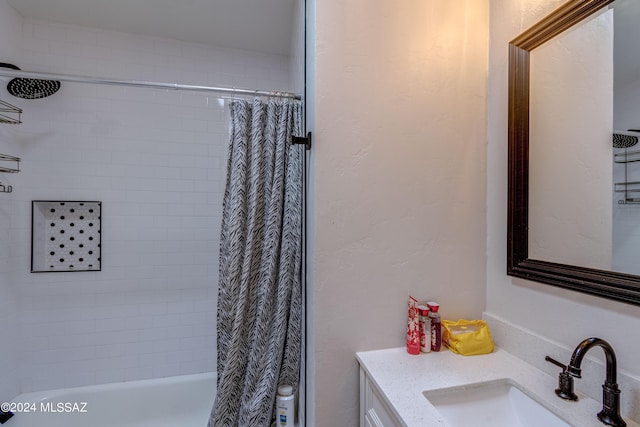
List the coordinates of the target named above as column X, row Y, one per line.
column 402, row 378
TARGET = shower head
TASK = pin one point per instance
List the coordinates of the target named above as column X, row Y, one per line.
column 624, row 140
column 30, row 88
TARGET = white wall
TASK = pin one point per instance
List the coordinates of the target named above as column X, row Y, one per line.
column 296, row 52
column 399, row 158
column 9, row 297
column 626, row 108
column 562, row 316
column 156, row 160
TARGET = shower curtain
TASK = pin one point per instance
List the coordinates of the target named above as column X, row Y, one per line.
column 260, row 294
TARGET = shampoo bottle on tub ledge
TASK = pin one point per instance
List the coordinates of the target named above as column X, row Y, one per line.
column 285, row 405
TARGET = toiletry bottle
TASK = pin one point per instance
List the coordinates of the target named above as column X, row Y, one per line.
column 436, row 331
column 425, row 329
column 285, row 406
column 413, row 327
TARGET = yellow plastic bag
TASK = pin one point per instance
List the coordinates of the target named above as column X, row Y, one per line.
column 467, row 337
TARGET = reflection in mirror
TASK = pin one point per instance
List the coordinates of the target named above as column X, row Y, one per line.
column 562, row 229
column 570, row 172
column 626, row 117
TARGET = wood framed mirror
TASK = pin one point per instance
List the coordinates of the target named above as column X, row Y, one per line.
column 599, row 281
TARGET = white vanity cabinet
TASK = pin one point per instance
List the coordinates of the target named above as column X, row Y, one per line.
column 374, row 412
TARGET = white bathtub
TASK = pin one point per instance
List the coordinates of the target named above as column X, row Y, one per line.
column 183, row 401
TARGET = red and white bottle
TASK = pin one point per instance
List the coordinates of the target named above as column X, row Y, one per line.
column 413, row 328
column 425, row 329
column 436, row 330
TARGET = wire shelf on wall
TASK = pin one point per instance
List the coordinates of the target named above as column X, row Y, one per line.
column 6, row 158
column 9, row 114
column 631, row 190
column 627, row 156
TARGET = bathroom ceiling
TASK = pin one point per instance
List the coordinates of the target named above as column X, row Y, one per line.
column 261, row 25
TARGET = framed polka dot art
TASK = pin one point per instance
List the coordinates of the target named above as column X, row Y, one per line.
column 65, row 236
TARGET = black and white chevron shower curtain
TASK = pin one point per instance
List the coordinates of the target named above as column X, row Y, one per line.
column 260, row 294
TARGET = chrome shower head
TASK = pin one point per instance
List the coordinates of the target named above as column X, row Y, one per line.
column 30, row 88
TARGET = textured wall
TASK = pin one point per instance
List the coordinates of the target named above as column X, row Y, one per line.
column 156, row 160
column 562, row 316
column 399, row 157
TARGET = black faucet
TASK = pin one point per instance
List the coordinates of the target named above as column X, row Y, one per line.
column 610, row 413
column 4, row 416
column 565, row 381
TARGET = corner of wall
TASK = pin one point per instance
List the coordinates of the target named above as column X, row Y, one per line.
column 310, row 98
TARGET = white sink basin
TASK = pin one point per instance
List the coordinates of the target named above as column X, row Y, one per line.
column 499, row 403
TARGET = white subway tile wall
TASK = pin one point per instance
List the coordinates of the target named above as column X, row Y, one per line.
column 9, row 298
column 156, row 160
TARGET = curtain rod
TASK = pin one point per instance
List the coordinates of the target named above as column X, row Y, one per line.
column 145, row 84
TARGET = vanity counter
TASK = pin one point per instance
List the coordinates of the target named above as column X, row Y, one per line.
column 401, row 378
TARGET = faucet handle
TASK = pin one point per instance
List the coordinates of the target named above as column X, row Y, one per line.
column 565, row 381
column 555, row 362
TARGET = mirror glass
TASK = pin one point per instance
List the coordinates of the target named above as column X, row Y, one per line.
column 585, row 86
column 626, row 117
column 570, row 149
column 574, row 194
